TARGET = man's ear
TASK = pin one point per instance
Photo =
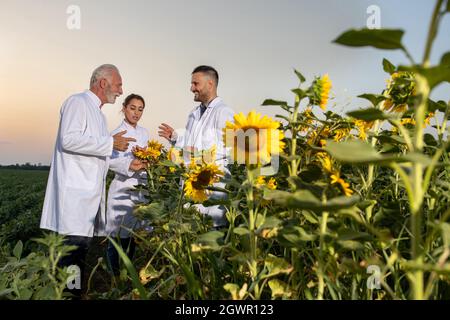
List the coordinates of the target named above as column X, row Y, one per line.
column 103, row 83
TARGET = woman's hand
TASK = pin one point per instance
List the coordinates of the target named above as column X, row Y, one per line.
column 137, row 164
column 137, row 148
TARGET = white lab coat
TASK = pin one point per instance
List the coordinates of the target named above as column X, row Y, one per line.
column 76, row 184
column 203, row 133
column 121, row 199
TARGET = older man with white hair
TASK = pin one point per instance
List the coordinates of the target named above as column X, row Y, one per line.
column 75, row 192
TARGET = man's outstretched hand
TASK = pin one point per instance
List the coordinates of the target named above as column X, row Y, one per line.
column 166, row 131
column 120, row 142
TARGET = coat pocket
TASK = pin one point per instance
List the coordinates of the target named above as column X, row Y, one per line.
column 81, row 175
column 208, row 139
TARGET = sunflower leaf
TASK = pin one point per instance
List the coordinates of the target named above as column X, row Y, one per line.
column 375, row 99
column 305, row 199
column 388, row 66
column 212, row 240
column 271, row 102
column 299, row 92
column 300, row 76
column 353, row 151
column 389, row 39
column 369, row 114
column 445, row 59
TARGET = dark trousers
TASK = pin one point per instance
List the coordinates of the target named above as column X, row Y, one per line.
column 112, row 256
column 76, row 257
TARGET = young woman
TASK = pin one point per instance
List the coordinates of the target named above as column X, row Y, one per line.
column 121, row 199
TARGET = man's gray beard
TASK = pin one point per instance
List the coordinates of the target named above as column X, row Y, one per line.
column 110, row 97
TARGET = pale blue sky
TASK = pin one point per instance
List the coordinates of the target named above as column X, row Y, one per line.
column 156, row 44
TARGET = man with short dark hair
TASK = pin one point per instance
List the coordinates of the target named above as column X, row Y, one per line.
column 210, row 72
column 204, row 129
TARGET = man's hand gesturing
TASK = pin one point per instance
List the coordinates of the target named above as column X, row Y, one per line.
column 166, row 131
column 120, row 142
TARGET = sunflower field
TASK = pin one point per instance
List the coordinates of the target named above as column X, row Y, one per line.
column 319, row 205
column 358, row 206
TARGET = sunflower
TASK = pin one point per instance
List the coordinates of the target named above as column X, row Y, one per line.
column 335, row 178
column 400, row 88
column 325, row 161
column 321, row 91
column 199, row 178
column 153, row 144
column 204, row 156
column 312, row 138
column 428, row 118
column 315, row 140
column 261, row 182
column 174, row 155
column 363, row 127
column 307, row 119
column 152, row 152
column 340, row 134
column 272, row 184
column 264, row 138
column 327, row 164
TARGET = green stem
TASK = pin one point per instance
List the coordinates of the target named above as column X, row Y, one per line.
column 294, row 164
column 321, row 269
column 371, row 171
column 150, row 179
column 405, row 134
column 406, row 181
column 432, row 31
column 180, row 200
column 409, row 56
column 417, row 275
column 252, row 222
column 443, row 127
column 431, row 167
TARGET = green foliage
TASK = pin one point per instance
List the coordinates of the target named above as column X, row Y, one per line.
column 20, row 215
column 381, row 39
column 37, row 275
column 370, row 114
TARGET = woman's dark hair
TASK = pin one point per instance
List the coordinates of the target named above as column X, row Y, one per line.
column 131, row 97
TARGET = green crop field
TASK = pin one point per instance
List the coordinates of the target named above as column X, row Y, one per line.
column 21, row 197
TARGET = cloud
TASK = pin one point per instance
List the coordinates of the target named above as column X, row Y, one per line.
column 5, row 142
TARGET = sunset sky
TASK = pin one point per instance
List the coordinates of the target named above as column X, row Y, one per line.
column 254, row 44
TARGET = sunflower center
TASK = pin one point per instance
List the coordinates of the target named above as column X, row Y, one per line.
column 203, row 180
